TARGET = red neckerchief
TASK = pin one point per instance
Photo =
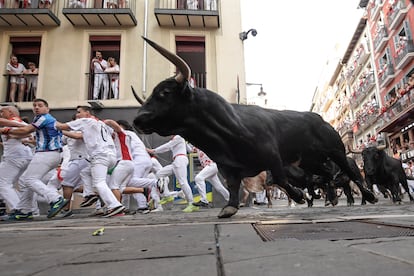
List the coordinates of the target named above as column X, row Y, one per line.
column 18, row 119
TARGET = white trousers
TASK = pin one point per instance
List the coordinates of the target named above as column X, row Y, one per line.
column 71, row 173
column 121, row 175
column 209, row 173
column 141, row 180
column 31, row 180
column 95, row 178
column 101, row 80
column 179, row 168
column 115, row 88
column 10, row 171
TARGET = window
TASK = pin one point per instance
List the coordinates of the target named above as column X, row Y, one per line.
column 26, row 49
column 192, row 50
column 101, row 83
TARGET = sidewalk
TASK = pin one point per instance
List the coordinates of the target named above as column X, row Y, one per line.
column 304, row 241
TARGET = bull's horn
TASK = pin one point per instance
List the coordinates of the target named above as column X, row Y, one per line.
column 184, row 69
column 354, row 151
column 136, row 96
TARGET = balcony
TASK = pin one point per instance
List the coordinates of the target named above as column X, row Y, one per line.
column 181, row 13
column 404, row 54
column 381, row 39
column 397, row 14
column 365, row 86
column 386, row 75
column 395, row 117
column 21, row 14
column 117, row 13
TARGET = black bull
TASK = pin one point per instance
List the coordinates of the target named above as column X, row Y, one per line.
column 243, row 140
column 386, row 171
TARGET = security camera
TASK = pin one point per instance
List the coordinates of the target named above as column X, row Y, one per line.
column 254, row 32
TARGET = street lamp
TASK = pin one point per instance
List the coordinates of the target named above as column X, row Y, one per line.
column 243, row 35
column 261, row 93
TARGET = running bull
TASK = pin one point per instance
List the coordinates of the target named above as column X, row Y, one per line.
column 243, row 140
column 386, row 171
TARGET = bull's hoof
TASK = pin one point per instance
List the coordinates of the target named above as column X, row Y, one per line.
column 369, row 196
column 310, row 202
column 227, row 212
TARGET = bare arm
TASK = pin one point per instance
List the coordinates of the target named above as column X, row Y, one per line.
column 19, row 131
column 62, row 126
column 113, row 124
column 10, row 123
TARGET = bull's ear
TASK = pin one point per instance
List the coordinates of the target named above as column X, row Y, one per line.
column 188, row 90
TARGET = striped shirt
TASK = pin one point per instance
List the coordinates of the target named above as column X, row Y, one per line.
column 48, row 138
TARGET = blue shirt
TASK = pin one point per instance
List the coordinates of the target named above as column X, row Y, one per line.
column 48, row 138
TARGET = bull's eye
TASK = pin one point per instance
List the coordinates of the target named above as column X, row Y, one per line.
column 165, row 92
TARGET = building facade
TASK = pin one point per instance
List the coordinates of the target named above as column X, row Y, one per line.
column 63, row 39
column 372, row 91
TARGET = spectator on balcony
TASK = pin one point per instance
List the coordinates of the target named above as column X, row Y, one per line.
column 17, row 80
column 77, row 4
column 113, row 69
column 22, row 4
column 45, row 4
column 192, row 4
column 31, row 76
column 110, row 4
column 98, row 66
column 210, row 5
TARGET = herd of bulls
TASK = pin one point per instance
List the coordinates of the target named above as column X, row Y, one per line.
column 379, row 168
column 245, row 140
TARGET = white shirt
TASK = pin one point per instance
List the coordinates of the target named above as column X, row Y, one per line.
column 13, row 147
column 176, row 145
column 96, row 136
column 138, row 149
column 202, row 157
column 97, row 67
column 76, row 148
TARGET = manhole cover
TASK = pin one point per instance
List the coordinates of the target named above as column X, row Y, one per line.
column 348, row 230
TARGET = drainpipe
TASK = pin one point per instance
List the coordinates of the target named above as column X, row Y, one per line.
column 144, row 53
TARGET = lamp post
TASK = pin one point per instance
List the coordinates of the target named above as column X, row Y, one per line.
column 261, row 94
column 243, row 35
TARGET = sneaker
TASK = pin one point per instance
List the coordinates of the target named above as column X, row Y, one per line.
column 89, row 200
column 201, row 204
column 191, row 208
column 143, row 210
column 97, row 213
column 65, row 214
column 20, row 216
column 166, row 200
column 56, row 207
column 112, row 212
column 158, row 209
column 181, row 194
column 161, row 184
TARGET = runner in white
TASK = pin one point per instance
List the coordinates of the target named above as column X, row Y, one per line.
column 210, row 173
column 16, row 158
column 100, row 148
column 178, row 148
